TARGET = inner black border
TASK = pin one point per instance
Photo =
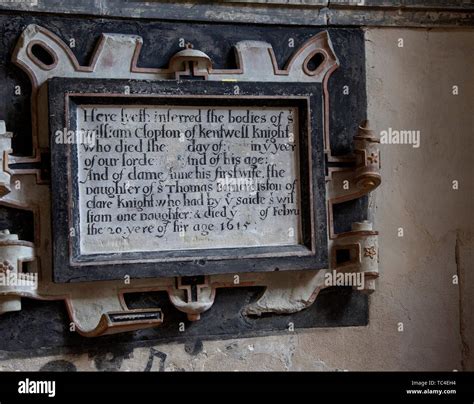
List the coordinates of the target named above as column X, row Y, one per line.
column 65, row 94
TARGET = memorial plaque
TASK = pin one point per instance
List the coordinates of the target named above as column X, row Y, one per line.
column 195, row 172
column 157, row 178
column 214, row 181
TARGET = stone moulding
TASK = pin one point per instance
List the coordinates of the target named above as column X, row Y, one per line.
column 393, row 13
column 98, row 308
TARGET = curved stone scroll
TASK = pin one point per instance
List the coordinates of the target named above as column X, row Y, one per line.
column 345, row 184
column 288, row 292
column 103, row 312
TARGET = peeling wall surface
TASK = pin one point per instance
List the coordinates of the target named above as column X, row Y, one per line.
column 421, row 315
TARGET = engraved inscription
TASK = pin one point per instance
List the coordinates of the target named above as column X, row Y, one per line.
column 163, row 177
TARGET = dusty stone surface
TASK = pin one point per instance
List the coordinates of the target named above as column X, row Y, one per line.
column 219, row 176
column 409, row 88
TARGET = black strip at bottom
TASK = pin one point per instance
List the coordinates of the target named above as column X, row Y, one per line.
column 42, row 328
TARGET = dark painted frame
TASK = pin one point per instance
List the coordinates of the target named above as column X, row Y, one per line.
column 62, row 93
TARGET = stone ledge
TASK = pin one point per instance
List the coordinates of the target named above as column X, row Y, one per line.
column 401, row 13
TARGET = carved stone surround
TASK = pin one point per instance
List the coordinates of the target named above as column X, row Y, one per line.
column 99, row 308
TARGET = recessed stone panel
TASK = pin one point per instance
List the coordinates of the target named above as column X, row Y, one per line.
column 171, row 177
